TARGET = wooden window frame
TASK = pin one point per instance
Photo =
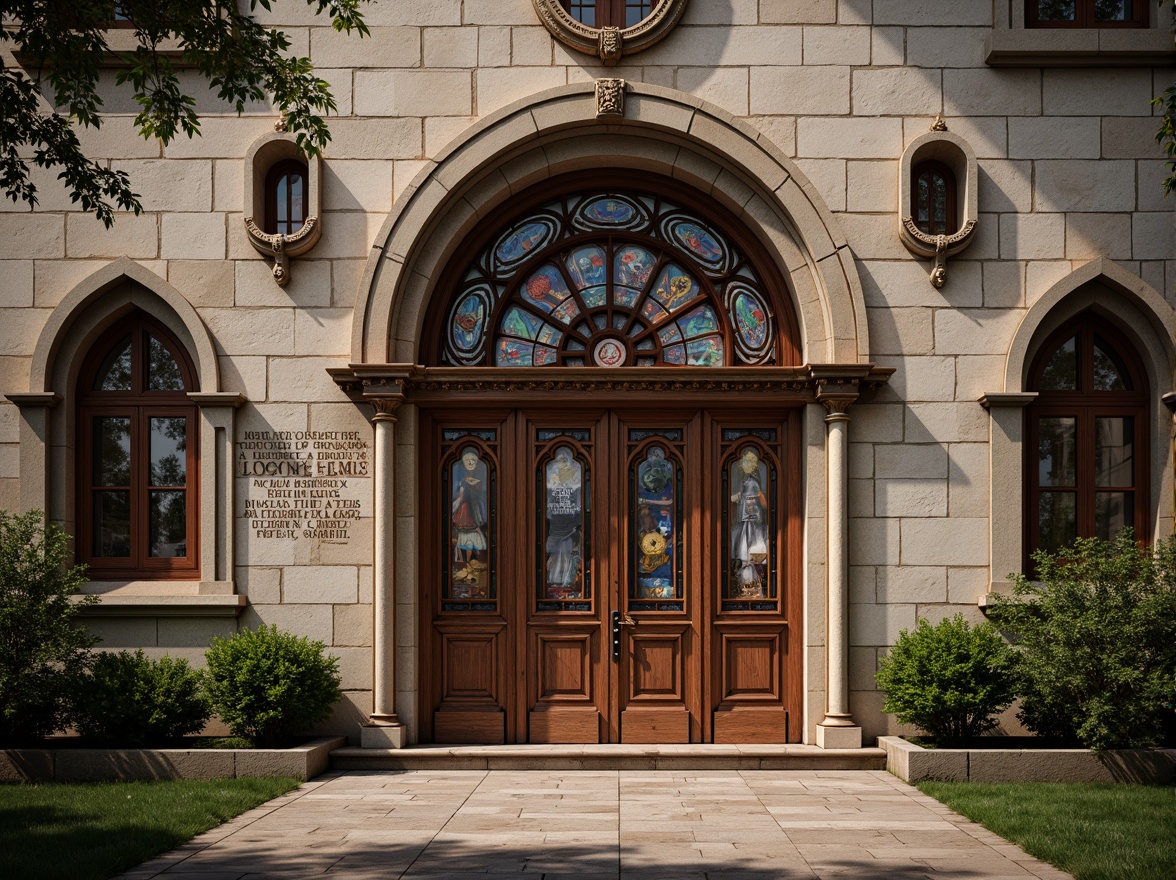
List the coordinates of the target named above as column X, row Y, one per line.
column 140, row 406
column 1084, row 17
column 949, row 180
column 609, row 13
column 273, row 179
column 1085, row 405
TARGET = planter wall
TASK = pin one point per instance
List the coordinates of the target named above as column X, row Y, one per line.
column 912, row 763
column 92, row 765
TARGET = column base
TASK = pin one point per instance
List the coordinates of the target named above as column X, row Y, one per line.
column 381, row 734
column 839, row 737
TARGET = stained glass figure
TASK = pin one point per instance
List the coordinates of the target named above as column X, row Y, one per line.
column 587, row 266
column 469, row 527
column 655, row 527
column 750, row 547
column 564, row 527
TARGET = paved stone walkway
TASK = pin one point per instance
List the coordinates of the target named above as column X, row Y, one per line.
column 599, row 825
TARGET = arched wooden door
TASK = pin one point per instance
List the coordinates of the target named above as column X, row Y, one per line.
column 611, row 559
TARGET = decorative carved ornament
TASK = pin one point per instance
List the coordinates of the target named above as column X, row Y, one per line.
column 281, row 247
column 954, row 152
column 610, row 97
column 609, row 44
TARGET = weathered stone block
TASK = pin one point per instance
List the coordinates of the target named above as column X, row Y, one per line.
column 798, row 11
column 499, row 86
column 800, row 91
column 131, row 236
column 170, row 185
column 992, row 92
column 900, row 331
column 919, row 584
column 946, row 423
column 1054, row 137
column 849, row 138
column 1096, row 91
column 1085, row 185
column 192, row 237
column 897, row 91
column 910, row 497
column 837, row 45
column 725, row 86
column 910, row 460
column 953, row 541
column 1153, row 236
column 413, row 93
column 873, row 542
column 1090, row 236
column 879, row 624
column 1032, row 236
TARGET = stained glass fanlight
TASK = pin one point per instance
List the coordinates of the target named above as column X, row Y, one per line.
column 610, row 279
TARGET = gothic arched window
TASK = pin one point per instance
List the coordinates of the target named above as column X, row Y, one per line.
column 613, row 278
column 137, row 455
column 1086, row 456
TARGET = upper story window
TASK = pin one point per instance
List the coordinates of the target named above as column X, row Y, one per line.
column 286, row 190
column 609, row 13
column 933, row 198
column 137, row 456
column 614, row 278
column 1086, row 456
column 1086, row 13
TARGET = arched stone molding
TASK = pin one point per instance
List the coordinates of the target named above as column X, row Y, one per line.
column 663, row 132
column 1149, row 322
column 47, row 443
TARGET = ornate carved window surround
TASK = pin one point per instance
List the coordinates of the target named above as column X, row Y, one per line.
column 609, row 43
column 265, row 154
column 953, row 151
column 1012, row 43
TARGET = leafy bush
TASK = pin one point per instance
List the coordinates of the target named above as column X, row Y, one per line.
column 131, row 700
column 42, row 648
column 1097, row 635
column 949, row 679
column 268, row 685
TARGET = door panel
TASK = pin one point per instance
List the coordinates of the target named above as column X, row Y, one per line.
column 641, row 577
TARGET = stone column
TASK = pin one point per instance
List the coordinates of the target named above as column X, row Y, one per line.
column 217, row 415
column 837, row 730
column 384, row 730
column 1169, row 400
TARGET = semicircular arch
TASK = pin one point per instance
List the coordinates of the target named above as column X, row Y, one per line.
column 663, row 132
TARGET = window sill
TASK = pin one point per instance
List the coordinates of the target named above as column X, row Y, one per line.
column 161, row 599
column 1065, row 47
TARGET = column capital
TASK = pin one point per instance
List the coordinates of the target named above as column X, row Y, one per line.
column 838, row 386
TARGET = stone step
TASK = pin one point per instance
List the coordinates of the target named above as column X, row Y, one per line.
column 609, row 757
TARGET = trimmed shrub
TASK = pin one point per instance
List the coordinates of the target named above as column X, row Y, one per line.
column 1097, row 635
column 131, row 700
column 43, row 649
column 949, row 680
column 269, row 685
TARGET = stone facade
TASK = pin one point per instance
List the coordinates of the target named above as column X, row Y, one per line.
column 811, row 102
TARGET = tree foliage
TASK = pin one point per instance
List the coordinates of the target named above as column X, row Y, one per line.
column 129, row 700
column 1097, row 637
column 43, row 650
column 269, row 685
column 1166, row 136
column 950, row 679
column 62, row 47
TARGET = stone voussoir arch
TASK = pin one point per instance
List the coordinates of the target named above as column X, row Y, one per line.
column 558, row 131
column 1148, row 319
column 94, row 303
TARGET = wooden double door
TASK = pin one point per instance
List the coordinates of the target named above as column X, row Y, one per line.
column 608, row 575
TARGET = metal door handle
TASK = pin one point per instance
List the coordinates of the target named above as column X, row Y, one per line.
column 617, row 622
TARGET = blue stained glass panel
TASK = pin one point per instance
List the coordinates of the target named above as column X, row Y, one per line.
column 522, row 324
column 675, row 288
column 656, row 522
column 699, row 322
column 653, row 311
column 609, row 211
column 526, row 238
column 587, row 266
column 699, row 241
column 669, row 334
column 594, row 297
column 675, row 354
column 546, row 288
column 625, row 296
column 632, row 266
column 751, row 319
column 513, row 353
column 705, row 352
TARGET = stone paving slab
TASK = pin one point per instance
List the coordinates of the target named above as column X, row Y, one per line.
column 599, row 825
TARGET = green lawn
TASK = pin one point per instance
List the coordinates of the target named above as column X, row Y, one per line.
column 90, row 831
column 1091, row 830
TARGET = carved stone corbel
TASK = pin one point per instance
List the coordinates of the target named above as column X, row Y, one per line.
column 609, row 45
column 281, row 247
column 939, row 247
column 610, row 98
